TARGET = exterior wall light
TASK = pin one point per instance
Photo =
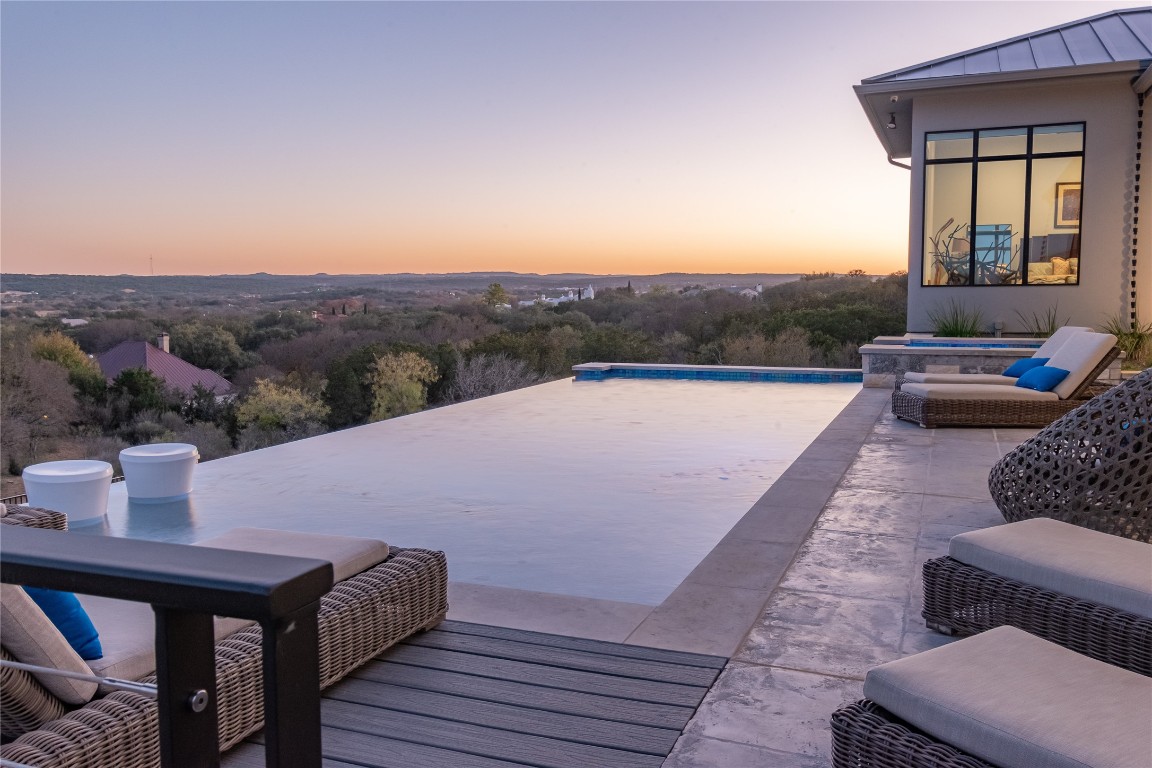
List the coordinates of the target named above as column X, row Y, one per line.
column 892, row 120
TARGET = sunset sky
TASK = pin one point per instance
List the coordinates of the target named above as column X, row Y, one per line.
column 376, row 137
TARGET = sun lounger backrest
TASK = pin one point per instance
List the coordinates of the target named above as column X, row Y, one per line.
column 1079, row 356
column 1057, row 339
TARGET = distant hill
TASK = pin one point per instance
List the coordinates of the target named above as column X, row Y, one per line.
column 265, row 285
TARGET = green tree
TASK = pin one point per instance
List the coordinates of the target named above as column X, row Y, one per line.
column 611, row 344
column 134, row 391
column 205, row 407
column 288, row 412
column 496, row 295
column 208, row 346
column 348, row 393
column 399, row 384
column 83, row 372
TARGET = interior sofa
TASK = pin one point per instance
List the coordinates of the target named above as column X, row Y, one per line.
column 381, row 596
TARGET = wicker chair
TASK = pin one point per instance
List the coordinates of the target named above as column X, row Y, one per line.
column 1092, row 467
column 945, row 405
column 865, row 735
column 1003, row 697
column 360, row 617
column 1084, row 590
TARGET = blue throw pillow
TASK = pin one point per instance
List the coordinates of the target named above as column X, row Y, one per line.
column 1020, row 367
column 1042, row 378
column 65, row 611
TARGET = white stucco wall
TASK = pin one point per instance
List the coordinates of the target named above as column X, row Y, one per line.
column 1107, row 106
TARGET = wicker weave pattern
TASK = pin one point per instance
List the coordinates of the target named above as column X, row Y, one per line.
column 119, row 730
column 35, row 517
column 1091, row 468
column 26, row 705
column 359, row 618
column 864, row 735
column 931, row 413
column 967, row 600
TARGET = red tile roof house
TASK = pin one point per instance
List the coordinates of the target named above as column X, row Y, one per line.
column 176, row 373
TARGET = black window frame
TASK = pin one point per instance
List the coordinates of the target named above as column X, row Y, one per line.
column 974, row 160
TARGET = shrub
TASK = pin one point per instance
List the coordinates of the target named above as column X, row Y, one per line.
column 956, row 320
column 1135, row 339
column 1043, row 324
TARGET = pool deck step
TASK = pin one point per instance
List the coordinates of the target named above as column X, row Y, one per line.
column 465, row 695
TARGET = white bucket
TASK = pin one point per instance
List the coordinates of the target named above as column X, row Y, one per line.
column 79, row 489
column 159, row 472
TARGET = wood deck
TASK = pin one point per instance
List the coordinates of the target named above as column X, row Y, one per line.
column 474, row 696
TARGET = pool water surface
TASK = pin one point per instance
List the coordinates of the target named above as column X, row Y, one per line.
column 609, row 489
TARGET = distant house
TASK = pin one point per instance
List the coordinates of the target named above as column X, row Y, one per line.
column 1025, row 158
column 176, row 373
column 579, row 294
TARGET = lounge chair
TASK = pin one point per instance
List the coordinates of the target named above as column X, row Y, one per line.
column 1044, row 352
column 63, row 722
column 1002, row 698
column 1085, row 356
column 1082, row 589
column 1091, row 467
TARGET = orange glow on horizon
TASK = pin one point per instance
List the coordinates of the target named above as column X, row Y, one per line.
column 461, row 137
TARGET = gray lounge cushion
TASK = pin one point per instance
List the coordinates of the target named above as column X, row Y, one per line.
column 1013, row 699
column 1079, row 355
column 1046, row 350
column 349, row 555
column 1057, row 339
column 1090, row 565
column 960, row 378
column 975, row 392
column 128, row 636
column 127, row 629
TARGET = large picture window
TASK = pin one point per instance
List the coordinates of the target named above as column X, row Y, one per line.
column 1002, row 206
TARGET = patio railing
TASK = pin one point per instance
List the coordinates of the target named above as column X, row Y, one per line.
column 186, row 587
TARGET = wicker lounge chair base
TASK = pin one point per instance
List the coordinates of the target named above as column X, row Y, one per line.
column 931, row 413
column 1004, row 698
column 865, row 735
column 360, row 617
column 960, row 598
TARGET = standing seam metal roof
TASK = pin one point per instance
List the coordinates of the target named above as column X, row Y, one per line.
column 1112, row 37
column 176, row 373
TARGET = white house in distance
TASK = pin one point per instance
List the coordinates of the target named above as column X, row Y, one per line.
column 579, row 294
column 1025, row 186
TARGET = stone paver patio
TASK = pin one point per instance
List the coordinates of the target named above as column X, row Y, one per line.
column 851, row 597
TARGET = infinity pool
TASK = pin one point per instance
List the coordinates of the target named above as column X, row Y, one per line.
column 609, row 489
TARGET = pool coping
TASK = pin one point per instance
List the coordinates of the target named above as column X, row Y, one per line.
column 716, row 605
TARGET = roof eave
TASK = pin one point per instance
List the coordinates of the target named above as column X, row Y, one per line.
column 876, row 97
column 984, row 78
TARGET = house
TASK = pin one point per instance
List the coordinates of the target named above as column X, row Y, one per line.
column 178, row 374
column 1025, row 182
column 579, row 294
